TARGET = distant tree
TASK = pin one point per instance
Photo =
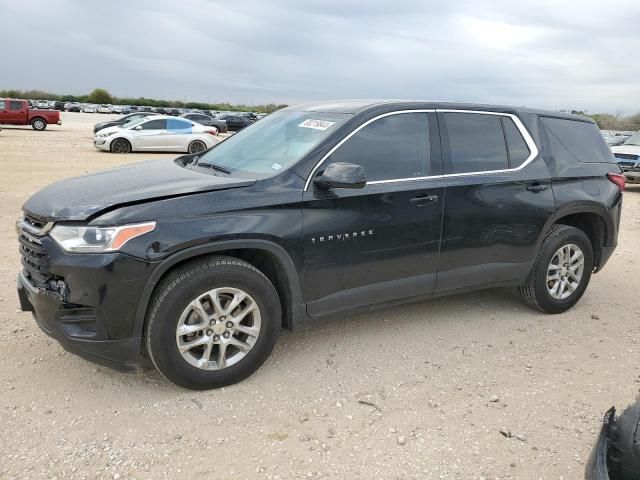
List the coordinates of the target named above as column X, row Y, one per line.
column 283, row 105
column 100, row 95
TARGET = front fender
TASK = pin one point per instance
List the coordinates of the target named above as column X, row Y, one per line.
column 297, row 307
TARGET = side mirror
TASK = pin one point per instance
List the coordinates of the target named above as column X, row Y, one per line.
column 138, row 127
column 342, row 175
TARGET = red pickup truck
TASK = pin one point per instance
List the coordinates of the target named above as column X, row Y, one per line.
column 16, row 112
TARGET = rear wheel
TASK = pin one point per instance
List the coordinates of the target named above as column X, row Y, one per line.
column 197, row 146
column 561, row 272
column 38, row 124
column 120, row 145
column 212, row 323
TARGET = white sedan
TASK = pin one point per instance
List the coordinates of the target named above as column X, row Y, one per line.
column 159, row 133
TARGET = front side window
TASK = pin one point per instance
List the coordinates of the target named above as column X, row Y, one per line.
column 389, row 148
column 15, row 105
column 159, row 124
column 476, row 142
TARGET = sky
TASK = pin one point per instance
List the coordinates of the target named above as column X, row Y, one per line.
column 554, row 54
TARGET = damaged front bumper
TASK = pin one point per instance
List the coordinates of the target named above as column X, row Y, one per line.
column 91, row 305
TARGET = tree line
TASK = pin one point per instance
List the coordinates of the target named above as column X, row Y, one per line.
column 102, row 96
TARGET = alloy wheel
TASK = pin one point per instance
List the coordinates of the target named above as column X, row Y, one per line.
column 565, row 271
column 218, row 328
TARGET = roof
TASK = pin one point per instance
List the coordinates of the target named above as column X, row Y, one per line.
column 359, row 106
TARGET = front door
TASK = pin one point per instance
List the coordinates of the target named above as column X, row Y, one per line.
column 381, row 242
column 151, row 135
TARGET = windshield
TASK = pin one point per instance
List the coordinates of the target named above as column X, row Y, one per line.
column 633, row 139
column 134, row 122
column 274, row 143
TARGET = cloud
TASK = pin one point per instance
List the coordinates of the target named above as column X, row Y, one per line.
column 577, row 54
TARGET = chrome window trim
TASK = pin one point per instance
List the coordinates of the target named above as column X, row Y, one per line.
column 533, row 149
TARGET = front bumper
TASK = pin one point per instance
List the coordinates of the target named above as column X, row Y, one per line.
column 90, row 309
column 101, row 144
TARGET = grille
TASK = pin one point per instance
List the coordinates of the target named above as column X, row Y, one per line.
column 627, row 156
column 35, row 259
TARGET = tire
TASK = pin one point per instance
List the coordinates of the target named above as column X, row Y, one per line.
column 623, row 452
column 196, row 146
column 38, row 124
column 187, row 286
column 120, row 145
column 536, row 291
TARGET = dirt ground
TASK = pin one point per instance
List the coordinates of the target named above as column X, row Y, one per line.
column 416, row 392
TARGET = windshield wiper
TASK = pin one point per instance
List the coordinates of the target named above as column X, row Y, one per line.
column 213, row 166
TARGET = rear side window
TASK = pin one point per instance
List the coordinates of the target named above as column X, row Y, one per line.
column 2, row 104
column 476, row 141
column 516, row 146
column 390, row 148
column 15, row 105
column 582, row 140
column 176, row 124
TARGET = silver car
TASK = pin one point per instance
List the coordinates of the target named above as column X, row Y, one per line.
column 159, row 133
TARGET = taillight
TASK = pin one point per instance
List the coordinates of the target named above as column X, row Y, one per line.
column 211, row 132
column 618, row 179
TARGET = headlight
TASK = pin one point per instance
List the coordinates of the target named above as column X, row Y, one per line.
column 102, row 135
column 97, row 239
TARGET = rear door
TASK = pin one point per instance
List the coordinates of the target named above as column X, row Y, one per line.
column 381, row 242
column 151, row 135
column 498, row 199
column 179, row 134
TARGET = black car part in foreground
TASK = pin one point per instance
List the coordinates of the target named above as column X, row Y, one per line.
column 313, row 212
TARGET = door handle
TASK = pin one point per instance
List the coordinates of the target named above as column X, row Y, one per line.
column 537, row 187
column 424, row 199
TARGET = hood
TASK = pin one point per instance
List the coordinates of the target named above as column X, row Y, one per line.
column 628, row 149
column 109, row 129
column 83, row 197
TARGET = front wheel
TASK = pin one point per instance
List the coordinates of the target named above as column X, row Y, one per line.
column 561, row 272
column 38, row 124
column 212, row 323
column 120, row 145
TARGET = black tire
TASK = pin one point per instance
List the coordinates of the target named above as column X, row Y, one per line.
column 535, row 292
column 173, row 295
column 623, row 452
column 120, row 145
column 38, row 124
column 196, row 146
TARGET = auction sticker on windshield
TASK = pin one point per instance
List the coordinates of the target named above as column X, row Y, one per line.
column 316, row 124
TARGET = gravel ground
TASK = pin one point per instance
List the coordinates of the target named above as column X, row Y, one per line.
column 466, row 387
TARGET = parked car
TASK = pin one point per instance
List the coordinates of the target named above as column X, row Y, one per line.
column 628, row 157
column 59, row 106
column 90, row 109
column 116, row 109
column 316, row 211
column 158, row 133
column 129, row 109
column 122, row 120
column 17, row 112
column 174, row 112
column 42, row 105
column 236, row 122
column 220, row 126
column 104, row 109
column 73, row 107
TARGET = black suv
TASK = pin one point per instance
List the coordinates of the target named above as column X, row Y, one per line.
column 316, row 211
